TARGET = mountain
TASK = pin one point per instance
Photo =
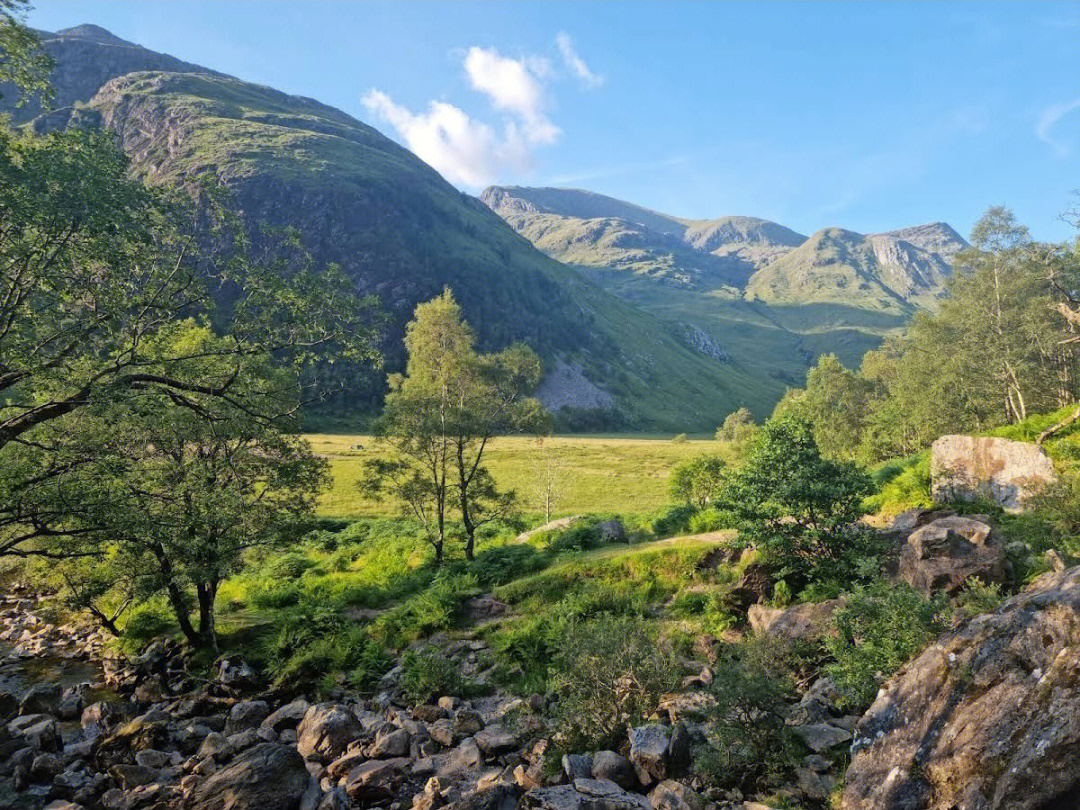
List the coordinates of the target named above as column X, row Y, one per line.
column 766, row 296
column 398, row 229
column 882, row 272
column 590, row 230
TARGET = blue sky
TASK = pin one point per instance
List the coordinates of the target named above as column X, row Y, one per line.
column 870, row 116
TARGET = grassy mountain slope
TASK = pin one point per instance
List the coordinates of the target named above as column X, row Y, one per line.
column 402, row 232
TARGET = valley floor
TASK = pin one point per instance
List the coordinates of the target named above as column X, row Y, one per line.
column 594, row 474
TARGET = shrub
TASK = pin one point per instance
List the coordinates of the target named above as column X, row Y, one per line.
column 748, row 745
column 878, row 630
column 671, row 520
column 610, row 672
column 310, row 644
column 428, row 674
column 799, row 508
column 146, row 621
column 697, row 480
column 712, row 520
column 738, row 428
column 978, row 597
column 290, row 565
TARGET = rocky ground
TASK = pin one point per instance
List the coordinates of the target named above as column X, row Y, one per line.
column 1001, row 688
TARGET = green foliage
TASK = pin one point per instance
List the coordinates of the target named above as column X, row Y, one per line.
column 748, row 745
column 901, row 484
column 610, row 672
column 23, row 62
column 978, row 597
column 712, row 520
column 428, row 674
column 739, row 428
column 439, row 417
column 879, row 629
column 698, row 480
column 798, row 508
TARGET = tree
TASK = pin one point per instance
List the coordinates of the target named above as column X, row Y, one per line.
column 440, row 415
column 799, row 508
column 95, row 267
column 697, row 481
column 174, row 497
column 738, row 428
column 550, row 480
column 23, row 62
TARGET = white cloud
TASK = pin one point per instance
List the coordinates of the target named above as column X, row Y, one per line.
column 575, row 63
column 513, row 86
column 468, row 151
column 1049, row 118
column 463, row 150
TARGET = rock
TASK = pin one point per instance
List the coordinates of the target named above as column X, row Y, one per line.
column 288, row 716
column 133, row 776
column 41, row 698
column 495, row 739
column 557, row 525
column 479, row 608
column 577, row 766
column 149, row 730
column 442, row 732
column 346, row 762
column 820, row 737
column 944, row 554
column 43, row 734
column 970, row 468
column 215, row 745
column 394, row 743
column 467, row 722
column 463, row 758
column 375, row 780
column 448, row 703
column 246, row 714
column 814, row 785
column 614, row 768
column 233, row 672
column 266, row 777
column 756, row 585
column 428, row 712
column 672, row 795
column 71, row 705
column 648, row 753
column 679, row 754
column 496, row 797
column 611, row 531
column 62, row 804
column 584, row 794
column 244, row 739
column 326, row 731
column 805, row 622
column 45, row 768
column 987, row 717
column 9, row 705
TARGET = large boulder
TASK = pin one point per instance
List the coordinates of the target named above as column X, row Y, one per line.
column 266, row 777
column 970, row 468
column 326, row 731
column 805, row 622
column 987, row 718
column 944, row 554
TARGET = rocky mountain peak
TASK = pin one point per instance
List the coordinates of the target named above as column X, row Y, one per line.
column 93, row 33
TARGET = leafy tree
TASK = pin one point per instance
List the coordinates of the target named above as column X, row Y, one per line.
column 738, row 428
column 95, row 268
column 173, row 497
column 797, row 507
column 440, row 415
column 23, row 62
column 697, row 480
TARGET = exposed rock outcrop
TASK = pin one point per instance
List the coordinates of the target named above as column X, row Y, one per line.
column 945, row 553
column 987, row 718
column 970, row 468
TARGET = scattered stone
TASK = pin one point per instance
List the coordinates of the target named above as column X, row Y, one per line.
column 577, row 766
column 672, row 795
column 820, row 737
column 375, row 780
column 326, row 731
column 394, row 743
column 808, row 621
column 614, row 768
column 288, row 716
column 41, row 698
column 246, row 714
column 495, row 739
column 648, row 753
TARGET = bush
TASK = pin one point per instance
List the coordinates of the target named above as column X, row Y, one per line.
column 712, row 520
column 610, row 673
column 748, row 745
column 697, row 481
column 797, row 507
column 978, row 597
column 146, row 621
column 290, row 565
column 878, row 630
column 312, row 643
column 738, row 428
column 429, row 674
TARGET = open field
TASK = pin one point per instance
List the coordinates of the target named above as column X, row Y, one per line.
column 626, row 475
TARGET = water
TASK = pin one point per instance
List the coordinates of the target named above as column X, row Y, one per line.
column 19, row 675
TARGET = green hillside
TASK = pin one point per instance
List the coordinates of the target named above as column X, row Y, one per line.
column 402, row 232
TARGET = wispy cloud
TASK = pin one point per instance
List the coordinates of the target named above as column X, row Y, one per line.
column 469, row 151
column 575, row 63
column 1049, row 119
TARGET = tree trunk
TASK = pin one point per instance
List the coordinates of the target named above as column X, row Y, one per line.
column 207, row 620
column 1064, row 423
column 180, row 608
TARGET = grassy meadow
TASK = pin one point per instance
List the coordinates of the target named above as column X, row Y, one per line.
column 601, row 474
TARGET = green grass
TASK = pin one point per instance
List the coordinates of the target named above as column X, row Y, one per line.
column 611, row 474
